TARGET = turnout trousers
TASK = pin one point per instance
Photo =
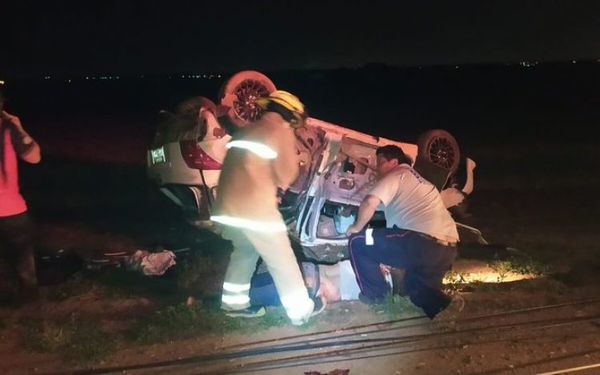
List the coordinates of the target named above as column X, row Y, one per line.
column 276, row 251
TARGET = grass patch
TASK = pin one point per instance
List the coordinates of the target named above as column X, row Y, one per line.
column 455, row 281
column 480, row 286
column 88, row 344
column 121, row 283
column 522, row 265
column 45, row 337
column 77, row 285
column 183, row 322
column 76, row 341
column 549, row 286
column 396, row 307
column 196, row 272
column 114, row 283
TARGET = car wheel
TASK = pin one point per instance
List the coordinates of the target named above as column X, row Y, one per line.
column 440, row 148
column 239, row 94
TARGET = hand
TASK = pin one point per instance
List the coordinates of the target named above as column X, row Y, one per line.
column 353, row 229
column 11, row 119
column 346, row 211
column 280, row 193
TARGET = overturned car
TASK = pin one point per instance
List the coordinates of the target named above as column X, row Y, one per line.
column 337, row 166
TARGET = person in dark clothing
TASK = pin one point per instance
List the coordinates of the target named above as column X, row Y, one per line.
column 16, row 227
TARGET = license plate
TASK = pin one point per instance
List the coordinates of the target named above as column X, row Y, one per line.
column 157, row 155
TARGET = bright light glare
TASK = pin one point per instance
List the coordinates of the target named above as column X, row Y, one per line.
column 468, row 271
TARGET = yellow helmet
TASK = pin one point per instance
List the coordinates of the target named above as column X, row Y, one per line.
column 284, row 98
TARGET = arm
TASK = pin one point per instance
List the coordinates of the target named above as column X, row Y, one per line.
column 24, row 144
column 365, row 213
column 286, row 165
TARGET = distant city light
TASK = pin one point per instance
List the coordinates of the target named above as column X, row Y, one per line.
column 1, row 82
column 523, row 64
column 103, row 77
column 193, row 76
column 528, row 64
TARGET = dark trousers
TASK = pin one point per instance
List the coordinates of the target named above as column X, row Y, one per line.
column 263, row 291
column 424, row 260
column 16, row 247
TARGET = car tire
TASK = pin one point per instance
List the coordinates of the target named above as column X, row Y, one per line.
column 439, row 148
column 239, row 93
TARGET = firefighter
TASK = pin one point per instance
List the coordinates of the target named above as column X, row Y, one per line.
column 262, row 162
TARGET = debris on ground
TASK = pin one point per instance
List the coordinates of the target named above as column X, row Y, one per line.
column 151, row 264
column 334, row 372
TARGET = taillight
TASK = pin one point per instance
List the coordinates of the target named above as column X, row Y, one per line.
column 196, row 158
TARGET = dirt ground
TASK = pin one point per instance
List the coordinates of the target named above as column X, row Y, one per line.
column 513, row 342
column 89, row 207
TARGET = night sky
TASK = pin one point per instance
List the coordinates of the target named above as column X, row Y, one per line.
column 68, row 37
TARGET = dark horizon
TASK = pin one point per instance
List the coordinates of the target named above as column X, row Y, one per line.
column 154, row 38
column 218, row 74
column 475, row 102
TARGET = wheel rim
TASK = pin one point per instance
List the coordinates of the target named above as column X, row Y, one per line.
column 441, row 153
column 244, row 103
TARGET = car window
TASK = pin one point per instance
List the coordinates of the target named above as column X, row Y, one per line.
column 360, row 156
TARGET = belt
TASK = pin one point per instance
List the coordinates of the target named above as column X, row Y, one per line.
column 437, row 240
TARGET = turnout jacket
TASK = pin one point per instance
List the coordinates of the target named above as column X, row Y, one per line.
column 260, row 158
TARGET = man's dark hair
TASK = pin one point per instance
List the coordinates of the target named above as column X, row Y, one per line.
column 393, row 152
